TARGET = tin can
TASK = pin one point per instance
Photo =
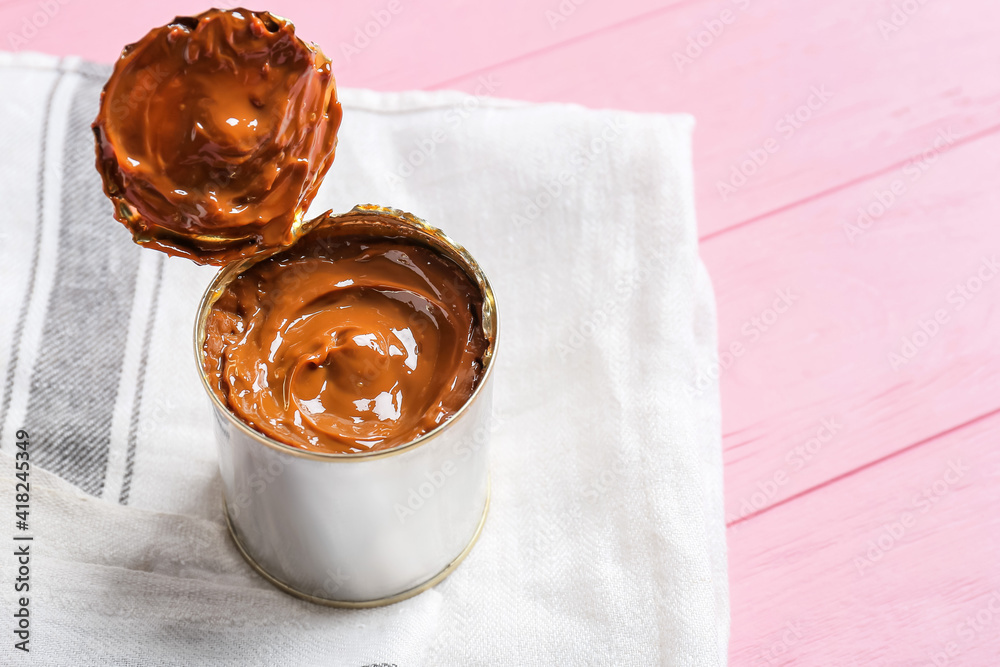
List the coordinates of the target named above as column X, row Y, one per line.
column 360, row 529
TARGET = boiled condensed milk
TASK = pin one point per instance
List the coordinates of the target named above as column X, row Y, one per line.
column 347, row 357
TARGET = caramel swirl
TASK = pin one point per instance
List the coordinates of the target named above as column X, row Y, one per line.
column 347, row 343
column 214, row 133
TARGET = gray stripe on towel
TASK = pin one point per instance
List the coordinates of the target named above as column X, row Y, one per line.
column 15, row 346
column 75, row 381
column 140, row 384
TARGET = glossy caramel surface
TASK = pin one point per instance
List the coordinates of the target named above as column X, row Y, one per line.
column 347, row 343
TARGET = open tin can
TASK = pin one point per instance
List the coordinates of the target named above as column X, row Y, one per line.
column 359, row 529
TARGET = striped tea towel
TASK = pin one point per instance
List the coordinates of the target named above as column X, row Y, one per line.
column 605, row 543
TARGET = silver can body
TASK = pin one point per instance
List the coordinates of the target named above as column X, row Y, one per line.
column 366, row 529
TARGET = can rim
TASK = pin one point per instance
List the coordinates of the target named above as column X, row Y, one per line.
column 361, row 604
column 491, row 327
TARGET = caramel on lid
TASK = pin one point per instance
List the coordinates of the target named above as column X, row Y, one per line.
column 214, row 134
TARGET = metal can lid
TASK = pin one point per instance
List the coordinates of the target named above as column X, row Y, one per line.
column 214, row 134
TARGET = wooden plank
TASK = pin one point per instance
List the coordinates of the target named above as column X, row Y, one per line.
column 771, row 60
column 382, row 44
column 888, row 96
column 894, row 289
column 826, row 358
column 892, row 566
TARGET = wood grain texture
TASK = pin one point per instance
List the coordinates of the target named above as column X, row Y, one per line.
column 879, row 341
column 892, row 566
column 829, row 440
column 879, row 96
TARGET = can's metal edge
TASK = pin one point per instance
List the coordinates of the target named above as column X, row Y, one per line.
column 362, row 604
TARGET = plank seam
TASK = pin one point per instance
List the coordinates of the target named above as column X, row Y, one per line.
column 870, row 464
column 564, row 43
column 847, row 184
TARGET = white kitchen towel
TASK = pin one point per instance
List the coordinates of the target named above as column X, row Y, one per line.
column 605, row 543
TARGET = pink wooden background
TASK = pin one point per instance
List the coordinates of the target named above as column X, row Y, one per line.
column 847, row 156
